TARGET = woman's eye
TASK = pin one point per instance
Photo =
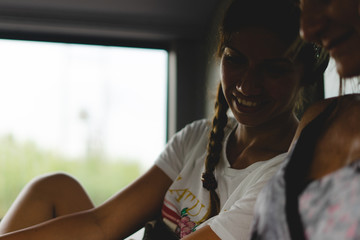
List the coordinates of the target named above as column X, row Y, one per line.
column 235, row 59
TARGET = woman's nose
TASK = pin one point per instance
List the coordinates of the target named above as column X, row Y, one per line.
column 313, row 21
column 249, row 84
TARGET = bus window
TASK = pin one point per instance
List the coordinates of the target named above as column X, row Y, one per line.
column 96, row 112
column 331, row 83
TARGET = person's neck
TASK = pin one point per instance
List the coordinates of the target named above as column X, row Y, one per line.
column 275, row 129
column 249, row 144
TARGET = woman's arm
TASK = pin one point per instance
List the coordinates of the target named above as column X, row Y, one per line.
column 117, row 218
column 204, row 233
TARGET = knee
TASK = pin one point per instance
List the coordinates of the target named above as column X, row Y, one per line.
column 59, row 178
column 54, row 182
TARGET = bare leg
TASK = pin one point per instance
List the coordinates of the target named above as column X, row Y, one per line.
column 45, row 198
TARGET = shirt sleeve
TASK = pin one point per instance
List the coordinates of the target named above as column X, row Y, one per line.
column 174, row 156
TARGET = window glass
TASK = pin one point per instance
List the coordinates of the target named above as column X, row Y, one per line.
column 332, row 81
column 96, row 112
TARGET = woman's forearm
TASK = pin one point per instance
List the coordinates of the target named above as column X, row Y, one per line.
column 121, row 215
column 82, row 225
column 205, row 233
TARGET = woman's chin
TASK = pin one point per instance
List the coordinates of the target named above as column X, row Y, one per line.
column 348, row 70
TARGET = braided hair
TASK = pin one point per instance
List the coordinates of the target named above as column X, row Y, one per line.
column 281, row 17
column 214, row 150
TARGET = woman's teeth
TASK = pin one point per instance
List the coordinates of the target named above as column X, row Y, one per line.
column 247, row 103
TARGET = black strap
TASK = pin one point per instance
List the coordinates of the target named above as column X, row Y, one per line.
column 159, row 231
column 295, row 175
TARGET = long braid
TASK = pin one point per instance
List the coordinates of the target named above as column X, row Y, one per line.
column 214, row 150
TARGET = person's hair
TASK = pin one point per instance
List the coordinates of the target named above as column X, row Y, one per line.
column 214, row 149
column 281, row 17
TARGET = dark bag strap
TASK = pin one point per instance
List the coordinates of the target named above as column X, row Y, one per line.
column 159, row 231
column 295, row 175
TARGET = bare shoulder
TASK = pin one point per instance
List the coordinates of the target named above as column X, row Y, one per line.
column 339, row 143
column 311, row 113
column 348, row 110
column 347, row 115
column 350, row 104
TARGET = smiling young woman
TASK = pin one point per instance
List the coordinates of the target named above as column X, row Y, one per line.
column 335, row 25
column 316, row 194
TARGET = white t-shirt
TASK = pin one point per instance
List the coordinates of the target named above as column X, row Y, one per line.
column 186, row 203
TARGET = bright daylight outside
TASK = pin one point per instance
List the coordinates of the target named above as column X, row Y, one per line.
column 331, row 83
column 96, row 112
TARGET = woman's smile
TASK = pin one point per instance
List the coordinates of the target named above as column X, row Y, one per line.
column 245, row 104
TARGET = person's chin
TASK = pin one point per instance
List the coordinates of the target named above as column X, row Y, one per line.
column 348, row 69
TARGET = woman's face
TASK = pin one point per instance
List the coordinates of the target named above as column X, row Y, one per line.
column 335, row 25
column 259, row 83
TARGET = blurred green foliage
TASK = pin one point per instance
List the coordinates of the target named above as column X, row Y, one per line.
column 22, row 161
